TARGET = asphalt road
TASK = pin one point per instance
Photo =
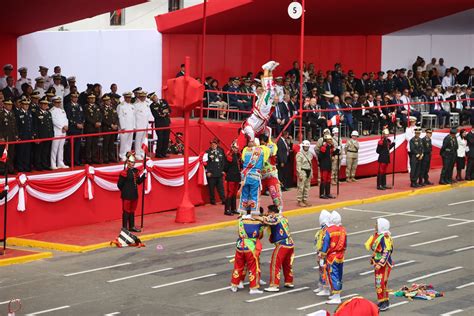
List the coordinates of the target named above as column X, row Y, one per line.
column 433, row 244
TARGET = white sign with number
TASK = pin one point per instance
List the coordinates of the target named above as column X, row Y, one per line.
column 295, row 10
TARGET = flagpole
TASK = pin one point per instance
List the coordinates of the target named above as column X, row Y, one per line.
column 338, row 156
column 394, row 148
column 5, row 205
column 144, row 181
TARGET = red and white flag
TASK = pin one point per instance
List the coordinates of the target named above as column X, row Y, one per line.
column 145, row 143
column 4, row 155
column 334, row 121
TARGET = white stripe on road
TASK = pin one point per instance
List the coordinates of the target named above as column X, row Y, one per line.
column 357, row 258
column 6, row 302
column 409, row 215
column 434, row 273
column 304, row 230
column 277, row 294
column 433, row 241
column 361, row 232
column 394, row 214
column 305, row 255
column 111, row 314
column 461, row 223
column 210, row 247
column 465, row 248
column 138, row 275
column 49, row 310
column 465, row 285
column 397, row 265
column 405, row 235
column 428, row 218
column 398, row 304
column 184, row 281
column 462, row 202
column 457, row 311
column 323, row 303
column 98, row 269
column 218, row 290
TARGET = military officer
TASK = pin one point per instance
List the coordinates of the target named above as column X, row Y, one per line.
column 380, row 83
column 24, row 121
column 23, row 79
column 75, row 116
column 58, row 87
column 371, row 85
column 126, row 114
column 448, row 153
column 8, row 132
column 60, row 127
column 389, row 82
column 142, row 117
column 426, row 161
column 110, row 123
column 416, row 156
column 161, row 112
column 44, row 74
column 43, row 128
column 7, row 70
column 39, row 86
column 34, row 104
column 93, row 123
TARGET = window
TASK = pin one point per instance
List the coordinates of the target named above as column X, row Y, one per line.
column 174, row 5
column 117, row 17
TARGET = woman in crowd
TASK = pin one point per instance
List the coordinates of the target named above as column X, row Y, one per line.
column 215, row 99
column 461, row 154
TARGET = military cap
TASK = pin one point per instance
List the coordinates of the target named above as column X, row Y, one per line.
column 105, row 97
column 8, row 66
column 43, row 68
column 21, row 69
column 141, row 93
column 44, row 100
column 91, row 95
column 380, row 73
column 428, row 130
column 453, row 130
column 50, row 94
column 74, row 94
column 57, row 76
column 403, row 70
column 9, row 102
column 127, row 94
column 35, row 94
column 72, row 78
column 56, row 99
column 417, row 129
column 24, row 99
column 137, row 89
column 39, row 79
column 390, row 71
column 151, row 95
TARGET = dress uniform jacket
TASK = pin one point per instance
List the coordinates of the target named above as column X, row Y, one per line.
column 43, row 124
column 21, row 81
column 383, row 149
column 8, row 128
column 24, row 121
column 215, row 162
column 126, row 114
column 161, row 112
column 142, row 114
column 449, row 148
column 59, row 117
column 127, row 183
column 92, row 116
column 109, row 118
column 75, row 115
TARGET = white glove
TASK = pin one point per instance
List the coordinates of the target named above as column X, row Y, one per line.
column 6, row 188
column 145, row 171
column 321, row 262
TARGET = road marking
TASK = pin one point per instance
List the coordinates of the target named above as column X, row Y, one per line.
column 210, row 247
column 98, row 269
column 427, row 219
column 111, row 314
column 138, row 275
column 305, row 230
column 465, row 285
column 433, row 241
column 6, row 302
column 409, row 215
column 461, row 223
column 462, row 202
column 457, row 311
column 397, row 265
column 305, row 254
column 465, row 248
column 361, row 232
column 398, row 304
column 184, row 281
column 357, row 258
column 405, row 235
column 218, row 290
column 49, row 310
column 394, row 214
column 322, row 303
column 277, row 294
column 434, row 273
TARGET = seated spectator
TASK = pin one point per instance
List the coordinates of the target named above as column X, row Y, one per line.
column 234, row 99
column 314, row 120
column 467, row 103
column 371, row 115
column 215, row 99
column 347, row 104
column 436, row 108
column 246, row 100
column 406, row 98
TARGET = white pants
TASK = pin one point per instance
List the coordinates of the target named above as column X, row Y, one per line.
column 57, row 153
column 126, row 140
column 139, row 137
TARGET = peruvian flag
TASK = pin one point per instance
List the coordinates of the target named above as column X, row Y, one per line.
column 394, row 118
column 334, row 121
column 145, row 143
column 4, row 155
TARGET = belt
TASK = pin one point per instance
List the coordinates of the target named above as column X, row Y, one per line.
column 352, row 151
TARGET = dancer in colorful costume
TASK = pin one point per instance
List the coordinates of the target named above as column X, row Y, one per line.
column 270, row 179
column 381, row 246
column 323, row 286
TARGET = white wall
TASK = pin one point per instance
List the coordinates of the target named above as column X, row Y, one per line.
column 401, row 51
column 130, row 58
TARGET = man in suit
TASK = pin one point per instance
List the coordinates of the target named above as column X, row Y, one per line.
column 467, row 115
column 10, row 92
column 283, row 155
column 181, row 71
column 281, row 113
column 436, row 108
column 361, row 84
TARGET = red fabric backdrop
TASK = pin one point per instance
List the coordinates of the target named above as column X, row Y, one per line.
column 235, row 55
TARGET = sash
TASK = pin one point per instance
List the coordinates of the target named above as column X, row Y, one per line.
column 248, row 242
column 252, row 162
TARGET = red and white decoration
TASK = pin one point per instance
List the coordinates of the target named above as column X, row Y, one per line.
column 54, row 187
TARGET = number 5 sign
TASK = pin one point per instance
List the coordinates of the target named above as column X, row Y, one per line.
column 295, row 10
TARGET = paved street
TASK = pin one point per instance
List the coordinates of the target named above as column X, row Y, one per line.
column 433, row 244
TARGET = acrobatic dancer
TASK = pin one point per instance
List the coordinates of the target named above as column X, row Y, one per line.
column 270, row 181
column 257, row 122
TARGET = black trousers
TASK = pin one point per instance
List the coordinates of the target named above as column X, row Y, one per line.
column 415, row 168
column 470, row 168
column 283, row 175
column 43, row 155
column 109, row 148
column 92, row 149
column 447, row 171
column 162, row 142
column 23, row 157
column 425, row 169
column 213, row 183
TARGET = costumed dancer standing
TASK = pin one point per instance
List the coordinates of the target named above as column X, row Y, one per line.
column 248, row 248
column 334, row 247
column 257, row 122
column 381, row 246
column 128, row 181
column 383, row 149
column 270, row 179
column 232, row 168
column 253, row 157
column 323, row 287
column 284, row 252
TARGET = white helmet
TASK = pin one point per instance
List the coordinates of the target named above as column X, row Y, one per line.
column 355, row 133
column 306, row 143
column 335, row 130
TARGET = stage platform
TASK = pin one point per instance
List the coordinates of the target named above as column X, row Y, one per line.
column 208, row 217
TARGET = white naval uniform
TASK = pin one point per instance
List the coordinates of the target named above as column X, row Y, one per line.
column 59, row 90
column 57, row 147
column 3, row 82
column 48, row 82
column 42, row 92
column 22, row 81
column 126, row 114
column 142, row 118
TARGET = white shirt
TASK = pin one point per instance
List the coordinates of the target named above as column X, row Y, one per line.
column 142, row 114
column 406, row 99
column 441, row 69
column 430, row 66
column 126, row 114
column 47, row 82
column 462, row 145
column 447, row 82
column 22, row 81
column 409, row 134
column 59, row 120
column 280, row 91
column 59, row 90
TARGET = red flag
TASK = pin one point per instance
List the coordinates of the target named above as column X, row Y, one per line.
column 334, row 121
column 145, row 143
column 4, row 155
column 394, row 118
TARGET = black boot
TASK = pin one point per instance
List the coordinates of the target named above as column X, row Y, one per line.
column 227, row 207
column 379, row 182
column 328, row 191
column 124, row 219
column 131, row 222
column 384, row 182
column 233, row 205
column 322, row 188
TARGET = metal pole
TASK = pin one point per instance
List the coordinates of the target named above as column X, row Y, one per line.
column 144, row 183
column 301, row 71
column 203, row 51
column 338, row 156
column 394, row 149
column 5, row 206
column 71, row 143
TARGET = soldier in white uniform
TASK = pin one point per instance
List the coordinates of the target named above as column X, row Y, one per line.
column 60, row 126
column 58, row 87
column 47, row 79
column 7, row 71
column 71, row 82
column 126, row 114
column 23, row 79
column 39, row 86
column 142, row 118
